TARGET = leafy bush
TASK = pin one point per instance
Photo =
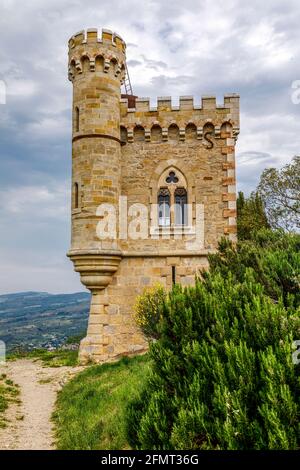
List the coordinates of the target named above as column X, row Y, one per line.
column 223, row 375
column 8, row 394
column 147, row 310
column 274, row 257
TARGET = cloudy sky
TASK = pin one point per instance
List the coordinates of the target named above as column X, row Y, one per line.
column 190, row 47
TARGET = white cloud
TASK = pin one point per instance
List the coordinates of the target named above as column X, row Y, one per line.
column 48, row 127
column 20, row 276
column 35, row 202
column 21, row 88
column 174, row 48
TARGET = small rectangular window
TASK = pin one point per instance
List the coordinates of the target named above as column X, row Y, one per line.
column 76, row 119
column 173, row 275
column 76, row 196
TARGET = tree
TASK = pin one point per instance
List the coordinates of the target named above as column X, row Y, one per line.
column 280, row 193
column 251, row 215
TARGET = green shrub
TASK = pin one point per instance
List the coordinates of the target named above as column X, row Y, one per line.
column 274, row 257
column 8, row 394
column 223, row 376
column 147, row 310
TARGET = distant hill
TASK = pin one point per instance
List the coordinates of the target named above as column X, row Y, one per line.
column 40, row 320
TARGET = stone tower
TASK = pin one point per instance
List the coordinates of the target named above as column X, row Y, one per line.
column 164, row 175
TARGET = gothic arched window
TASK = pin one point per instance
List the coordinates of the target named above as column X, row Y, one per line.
column 172, row 199
column 181, row 214
column 164, row 207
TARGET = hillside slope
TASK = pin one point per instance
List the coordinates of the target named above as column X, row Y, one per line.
column 40, row 320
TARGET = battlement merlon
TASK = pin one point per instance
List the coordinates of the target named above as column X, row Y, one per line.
column 165, row 113
column 87, row 45
column 91, row 36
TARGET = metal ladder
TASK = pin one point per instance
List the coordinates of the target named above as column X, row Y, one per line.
column 127, row 82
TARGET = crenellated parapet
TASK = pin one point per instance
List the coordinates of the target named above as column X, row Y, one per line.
column 186, row 121
column 89, row 52
column 206, row 127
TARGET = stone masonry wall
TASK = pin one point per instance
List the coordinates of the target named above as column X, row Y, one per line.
column 111, row 330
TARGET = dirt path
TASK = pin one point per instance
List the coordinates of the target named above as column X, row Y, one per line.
column 29, row 424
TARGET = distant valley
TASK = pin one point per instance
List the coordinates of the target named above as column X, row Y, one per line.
column 30, row 320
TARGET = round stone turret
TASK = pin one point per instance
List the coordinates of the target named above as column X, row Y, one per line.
column 97, row 70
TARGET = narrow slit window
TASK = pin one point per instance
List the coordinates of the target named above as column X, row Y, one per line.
column 164, row 207
column 173, row 275
column 181, row 209
column 76, row 119
column 76, row 196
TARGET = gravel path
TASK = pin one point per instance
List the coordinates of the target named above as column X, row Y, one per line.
column 29, row 424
